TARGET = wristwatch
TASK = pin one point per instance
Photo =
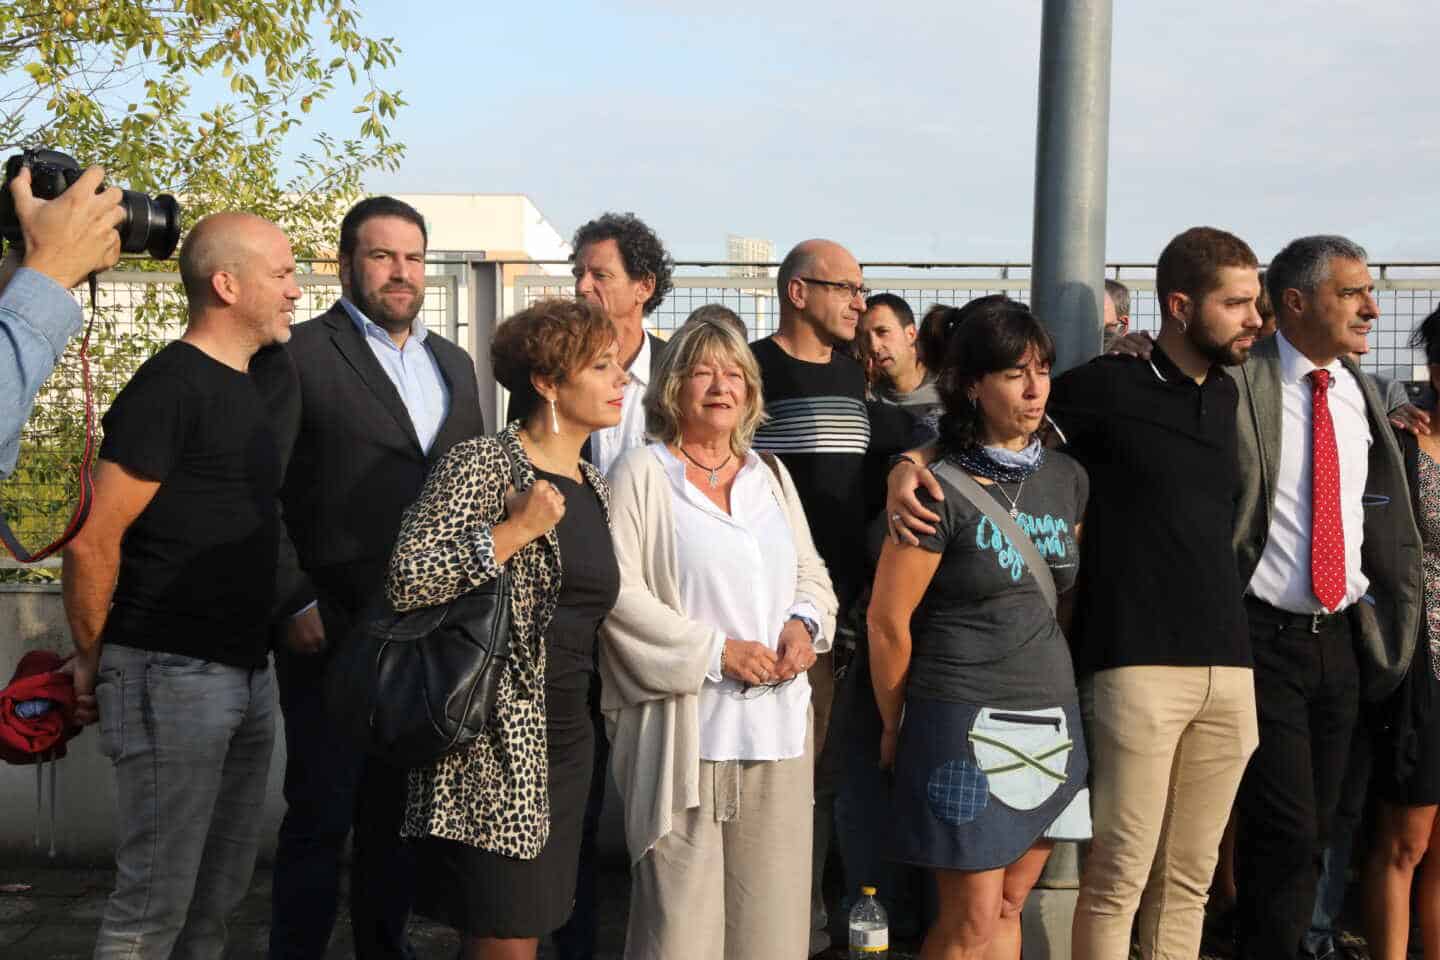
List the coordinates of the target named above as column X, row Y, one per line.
column 811, row 627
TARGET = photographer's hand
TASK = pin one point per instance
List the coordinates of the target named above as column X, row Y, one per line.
column 74, row 235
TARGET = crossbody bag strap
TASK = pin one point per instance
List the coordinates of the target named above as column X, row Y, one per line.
column 998, row 515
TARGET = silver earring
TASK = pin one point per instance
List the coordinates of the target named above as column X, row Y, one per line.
column 554, row 419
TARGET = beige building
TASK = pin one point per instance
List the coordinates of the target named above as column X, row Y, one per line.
column 492, row 226
column 747, row 250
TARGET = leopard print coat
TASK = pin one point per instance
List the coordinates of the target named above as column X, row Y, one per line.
column 493, row 795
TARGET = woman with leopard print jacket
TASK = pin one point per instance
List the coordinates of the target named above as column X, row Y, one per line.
column 498, row 824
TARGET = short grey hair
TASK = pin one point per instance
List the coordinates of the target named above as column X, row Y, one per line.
column 719, row 312
column 798, row 261
column 1119, row 295
column 1305, row 263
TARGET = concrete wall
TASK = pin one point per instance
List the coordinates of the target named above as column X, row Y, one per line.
column 31, row 618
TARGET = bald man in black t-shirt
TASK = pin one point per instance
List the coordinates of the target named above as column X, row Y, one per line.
column 169, row 588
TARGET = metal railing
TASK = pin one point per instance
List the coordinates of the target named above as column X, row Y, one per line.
column 1407, row 292
column 136, row 313
column 465, row 300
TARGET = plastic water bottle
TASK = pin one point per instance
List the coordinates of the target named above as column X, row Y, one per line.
column 869, row 927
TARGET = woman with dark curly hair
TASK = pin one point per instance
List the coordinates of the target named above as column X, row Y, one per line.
column 969, row 663
column 499, row 823
column 1407, row 753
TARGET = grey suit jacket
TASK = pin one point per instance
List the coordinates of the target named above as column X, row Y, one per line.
column 1387, row 618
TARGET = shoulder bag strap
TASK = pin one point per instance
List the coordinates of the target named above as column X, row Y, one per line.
column 774, row 465
column 987, row 505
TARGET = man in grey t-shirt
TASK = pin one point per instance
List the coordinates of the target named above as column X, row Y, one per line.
column 887, row 336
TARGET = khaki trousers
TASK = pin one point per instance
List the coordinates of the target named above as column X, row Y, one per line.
column 1168, row 746
column 731, row 880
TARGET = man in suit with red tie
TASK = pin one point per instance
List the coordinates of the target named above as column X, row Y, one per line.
column 1327, row 542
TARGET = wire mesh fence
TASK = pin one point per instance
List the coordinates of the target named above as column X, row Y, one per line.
column 135, row 314
column 1404, row 301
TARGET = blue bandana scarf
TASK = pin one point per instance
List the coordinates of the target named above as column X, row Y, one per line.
column 1000, row 464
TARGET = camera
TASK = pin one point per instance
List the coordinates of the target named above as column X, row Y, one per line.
column 151, row 224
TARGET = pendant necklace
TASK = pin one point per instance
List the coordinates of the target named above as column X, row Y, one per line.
column 1014, row 501
column 713, row 471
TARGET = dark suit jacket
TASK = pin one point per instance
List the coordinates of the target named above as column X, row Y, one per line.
column 354, row 461
column 1386, row 620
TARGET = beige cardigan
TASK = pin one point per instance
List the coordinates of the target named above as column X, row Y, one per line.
column 653, row 659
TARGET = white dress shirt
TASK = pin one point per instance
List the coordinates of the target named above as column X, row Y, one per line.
column 1283, row 577
column 412, row 369
column 607, row 445
column 737, row 572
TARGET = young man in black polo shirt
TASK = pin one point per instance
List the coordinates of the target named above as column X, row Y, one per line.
column 1160, row 638
column 1168, row 680
column 169, row 590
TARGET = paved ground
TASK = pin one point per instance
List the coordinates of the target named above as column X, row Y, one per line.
column 49, row 913
column 52, row 913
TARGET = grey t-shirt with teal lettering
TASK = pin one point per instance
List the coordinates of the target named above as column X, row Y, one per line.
column 983, row 633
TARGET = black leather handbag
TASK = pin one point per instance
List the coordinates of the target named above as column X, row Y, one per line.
column 415, row 686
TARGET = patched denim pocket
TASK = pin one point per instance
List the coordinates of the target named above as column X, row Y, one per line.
column 1023, row 753
column 957, row 792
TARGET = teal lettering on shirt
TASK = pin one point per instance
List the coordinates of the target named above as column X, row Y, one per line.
column 1049, row 534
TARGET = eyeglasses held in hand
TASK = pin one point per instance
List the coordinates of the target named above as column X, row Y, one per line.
column 753, row 691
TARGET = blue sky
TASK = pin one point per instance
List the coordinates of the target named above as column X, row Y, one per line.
column 906, row 130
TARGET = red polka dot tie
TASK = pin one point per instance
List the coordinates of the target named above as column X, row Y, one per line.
column 1327, row 531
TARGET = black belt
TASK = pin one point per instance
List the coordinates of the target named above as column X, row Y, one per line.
column 1309, row 622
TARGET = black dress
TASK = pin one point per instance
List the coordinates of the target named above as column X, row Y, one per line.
column 485, row 894
column 1407, row 749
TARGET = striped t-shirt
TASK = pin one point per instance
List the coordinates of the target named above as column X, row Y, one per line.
column 819, row 426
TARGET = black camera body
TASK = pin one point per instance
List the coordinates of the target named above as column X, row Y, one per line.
column 151, row 224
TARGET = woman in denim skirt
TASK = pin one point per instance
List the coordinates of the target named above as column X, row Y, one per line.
column 969, row 662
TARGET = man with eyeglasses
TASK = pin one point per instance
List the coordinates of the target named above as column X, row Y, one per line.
column 815, row 399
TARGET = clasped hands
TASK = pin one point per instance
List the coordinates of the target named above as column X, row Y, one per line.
column 754, row 664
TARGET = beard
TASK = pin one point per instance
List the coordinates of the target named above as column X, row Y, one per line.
column 1222, row 352
column 379, row 311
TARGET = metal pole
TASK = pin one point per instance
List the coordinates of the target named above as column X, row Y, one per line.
column 1067, row 282
column 1071, row 156
column 487, row 307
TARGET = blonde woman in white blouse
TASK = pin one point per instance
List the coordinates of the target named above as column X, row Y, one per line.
column 723, row 605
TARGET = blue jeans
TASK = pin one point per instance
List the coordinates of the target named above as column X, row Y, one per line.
column 190, row 741
column 863, row 809
column 862, row 805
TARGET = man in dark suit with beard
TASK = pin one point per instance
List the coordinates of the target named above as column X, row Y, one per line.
column 368, row 400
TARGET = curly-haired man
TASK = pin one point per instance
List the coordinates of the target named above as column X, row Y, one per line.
column 621, row 265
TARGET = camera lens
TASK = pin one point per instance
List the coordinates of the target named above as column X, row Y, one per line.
column 151, row 225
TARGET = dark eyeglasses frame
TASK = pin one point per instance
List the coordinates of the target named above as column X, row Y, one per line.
column 850, row 288
column 754, row 691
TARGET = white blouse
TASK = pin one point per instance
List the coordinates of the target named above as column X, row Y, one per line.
column 737, row 573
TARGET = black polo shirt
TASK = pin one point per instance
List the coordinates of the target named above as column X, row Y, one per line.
column 1158, row 584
